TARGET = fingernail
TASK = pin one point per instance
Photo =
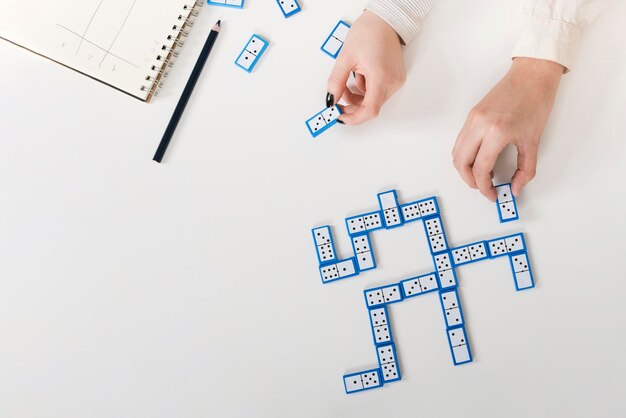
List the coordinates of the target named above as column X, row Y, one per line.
column 330, row 99
column 339, row 121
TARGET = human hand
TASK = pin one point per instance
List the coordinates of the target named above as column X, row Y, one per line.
column 515, row 111
column 372, row 51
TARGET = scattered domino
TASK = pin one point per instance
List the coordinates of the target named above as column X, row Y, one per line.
column 381, row 331
column 436, row 235
column 459, row 346
column 249, row 57
column 289, row 7
column 522, row 273
column 388, row 362
column 451, row 308
column 389, row 206
column 362, row 223
column 383, row 295
column 445, row 271
column 419, row 285
column 506, row 245
column 358, row 382
column 363, row 252
column 470, row 253
column 507, row 208
column 333, row 44
column 323, row 120
column 237, row 4
column 339, row 270
column 324, row 244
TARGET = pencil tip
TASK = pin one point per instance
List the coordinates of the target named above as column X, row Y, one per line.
column 219, row 23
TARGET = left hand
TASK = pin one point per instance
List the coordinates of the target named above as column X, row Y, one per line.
column 373, row 53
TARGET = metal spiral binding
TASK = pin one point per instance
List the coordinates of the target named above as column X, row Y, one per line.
column 169, row 50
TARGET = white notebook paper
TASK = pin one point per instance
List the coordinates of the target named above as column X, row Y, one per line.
column 126, row 44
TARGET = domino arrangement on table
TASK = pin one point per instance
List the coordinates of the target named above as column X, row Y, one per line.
column 442, row 279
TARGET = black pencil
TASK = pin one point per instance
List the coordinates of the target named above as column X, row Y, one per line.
column 184, row 98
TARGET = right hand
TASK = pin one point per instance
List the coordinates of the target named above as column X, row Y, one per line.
column 515, row 111
column 372, row 51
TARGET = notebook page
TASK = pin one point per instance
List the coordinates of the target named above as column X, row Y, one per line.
column 114, row 41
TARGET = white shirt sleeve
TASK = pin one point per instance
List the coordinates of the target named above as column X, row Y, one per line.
column 404, row 16
column 551, row 28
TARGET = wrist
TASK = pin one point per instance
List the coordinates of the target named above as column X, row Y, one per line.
column 538, row 71
column 372, row 17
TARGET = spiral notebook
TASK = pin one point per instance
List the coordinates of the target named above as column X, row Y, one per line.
column 127, row 44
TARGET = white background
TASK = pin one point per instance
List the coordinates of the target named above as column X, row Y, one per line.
column 190, row 289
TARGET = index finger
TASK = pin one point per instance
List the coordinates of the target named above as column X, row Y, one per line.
column 464, row 153
column 485, row 161
column 338, row 79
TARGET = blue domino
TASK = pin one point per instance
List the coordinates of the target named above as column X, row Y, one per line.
column 509, row 244
column 416, row 286
column 342, row 269
column 237, row 4
column 388, row 362
column 358, row 382
column 288, row 7
column 470, row 253
column 507, row 208
column 364, row 223
column 451, row 307
column 388, row 201
column 459, row 346
column 419, row 209
column 363, row 252
column 446, row 275
column 323, row 120
column 324, row 244
column 333, row 44
column 383, row 295
column 522, row 272
column 436, row 234
column 381, row 329
column 251, row 53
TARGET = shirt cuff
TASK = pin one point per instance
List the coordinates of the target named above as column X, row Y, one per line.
column 404, row 17
column 548, row 39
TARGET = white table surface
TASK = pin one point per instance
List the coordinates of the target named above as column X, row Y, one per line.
column 190, row 289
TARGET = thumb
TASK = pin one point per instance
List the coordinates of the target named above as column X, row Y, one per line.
column 337, row 80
